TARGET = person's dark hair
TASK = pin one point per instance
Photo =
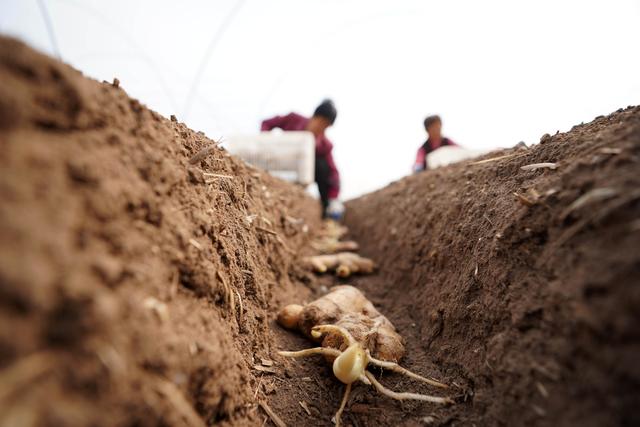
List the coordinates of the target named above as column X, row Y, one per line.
column 431, row 120
column 327, row 110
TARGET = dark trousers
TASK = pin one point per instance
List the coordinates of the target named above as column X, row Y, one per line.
column 322, row 179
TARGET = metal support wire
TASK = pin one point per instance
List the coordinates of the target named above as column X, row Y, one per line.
column 49, row 25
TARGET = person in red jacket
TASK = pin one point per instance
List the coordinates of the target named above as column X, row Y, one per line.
column 326, row 173
column 435, row 140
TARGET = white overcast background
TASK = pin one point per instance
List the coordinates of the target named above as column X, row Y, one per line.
column 498, row 72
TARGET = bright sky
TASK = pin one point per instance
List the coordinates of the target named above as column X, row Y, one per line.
column 498, row 72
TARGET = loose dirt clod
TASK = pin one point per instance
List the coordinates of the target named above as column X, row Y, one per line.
column 351, row 329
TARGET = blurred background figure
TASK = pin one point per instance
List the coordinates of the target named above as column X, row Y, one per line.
column 327, row 176
column 435, row 140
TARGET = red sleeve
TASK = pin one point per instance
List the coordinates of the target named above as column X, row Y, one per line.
column 274, row 122
column 420, row 160
column 334, row 177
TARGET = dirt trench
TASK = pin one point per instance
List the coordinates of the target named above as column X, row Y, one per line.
column 141, row 268
column 520, row 283
column 514, row 277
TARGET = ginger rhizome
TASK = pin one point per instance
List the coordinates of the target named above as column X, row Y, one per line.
column 333, row 229
column 328, row 245
column 353, row 335
column 336, row 255
column 344, row 264
column 329, row 240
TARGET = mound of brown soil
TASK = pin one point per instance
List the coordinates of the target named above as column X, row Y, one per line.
column 135, row 285
column 522, row 286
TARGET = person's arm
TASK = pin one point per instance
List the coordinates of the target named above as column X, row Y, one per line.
column 419, row 164
column 275, row 122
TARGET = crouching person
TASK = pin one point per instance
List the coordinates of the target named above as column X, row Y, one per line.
column 327, row 176
column 435, row 140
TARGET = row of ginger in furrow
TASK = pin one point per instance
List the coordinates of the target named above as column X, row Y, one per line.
column 352, row 333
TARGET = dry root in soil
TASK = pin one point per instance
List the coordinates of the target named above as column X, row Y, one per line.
column 344, row 264
column 353, row 334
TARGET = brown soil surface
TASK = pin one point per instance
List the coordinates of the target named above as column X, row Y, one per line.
column 531, row 309
column 139, row 288
column 135, row 289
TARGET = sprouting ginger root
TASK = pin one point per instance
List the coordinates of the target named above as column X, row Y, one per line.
column 331, row 246
column 345, row 306
column 334, row 230
column 329, row 240
column 343, row 263
column 350, row 330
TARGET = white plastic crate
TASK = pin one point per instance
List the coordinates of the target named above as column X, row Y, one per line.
column 451, row 154
column 287, row 155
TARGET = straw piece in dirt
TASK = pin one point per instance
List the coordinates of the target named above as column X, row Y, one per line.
column 493, row 159
column 24, row 373
column 595, row 195
column 158, row 308
column 227, row 293
column 524, row 200
column 266, row 362
column 265, row 369
column 535, row 166
column 610, row 150
column 241, row 312
column 202, row 154
column 294, row 221
column 255, row 394
column 542, row 389
column 217, row 175
column 305, row 407
column 538, row 410
column 274, row 417
column 195, row 244
column 266, row 230
column 179, row 402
